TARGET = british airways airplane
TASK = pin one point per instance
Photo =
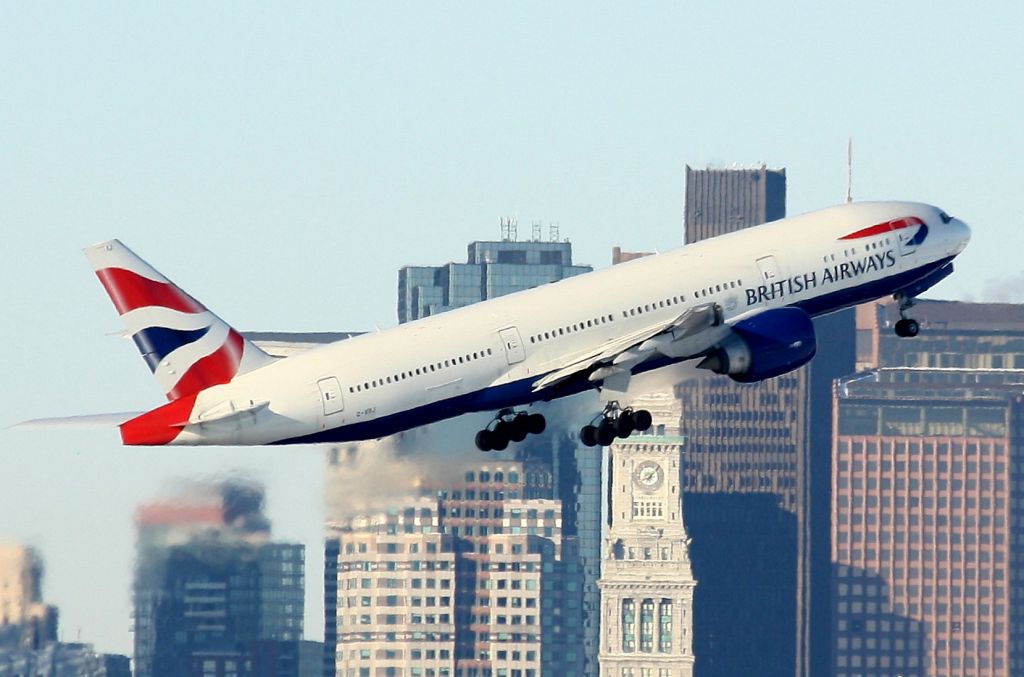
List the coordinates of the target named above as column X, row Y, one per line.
column 740, row 305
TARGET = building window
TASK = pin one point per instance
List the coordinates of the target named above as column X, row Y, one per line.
column 628, row 625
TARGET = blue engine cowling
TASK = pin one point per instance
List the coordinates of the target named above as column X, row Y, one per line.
column 764, row 346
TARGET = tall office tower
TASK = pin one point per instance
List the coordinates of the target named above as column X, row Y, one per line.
column 213, row 594
column 926, row 522
column 647, row 584
column 492, row 269
column 720, row 201
column 756, row 474
column 472, row 579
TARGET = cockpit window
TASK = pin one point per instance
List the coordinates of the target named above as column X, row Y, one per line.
column 946, row 218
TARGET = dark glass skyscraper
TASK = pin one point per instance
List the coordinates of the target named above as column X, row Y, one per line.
column 492, row 269
column 213, row 594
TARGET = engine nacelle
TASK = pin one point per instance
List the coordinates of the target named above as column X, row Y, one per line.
column 764, row 346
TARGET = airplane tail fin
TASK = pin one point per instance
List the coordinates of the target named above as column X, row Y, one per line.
column 186, row 346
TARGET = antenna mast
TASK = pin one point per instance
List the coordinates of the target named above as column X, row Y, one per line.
column 849, row 170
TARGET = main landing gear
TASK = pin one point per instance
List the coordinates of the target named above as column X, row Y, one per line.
column 614, row 422
column 906, row 327
column 509, row 426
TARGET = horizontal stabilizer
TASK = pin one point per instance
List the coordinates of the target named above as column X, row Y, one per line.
column 104, row 420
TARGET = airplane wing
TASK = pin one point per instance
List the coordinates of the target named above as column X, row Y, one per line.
column 688, row 335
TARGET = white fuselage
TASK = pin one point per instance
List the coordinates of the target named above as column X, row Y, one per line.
column 489, row 355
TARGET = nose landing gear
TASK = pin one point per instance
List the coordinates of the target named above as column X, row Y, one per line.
column 906, row 327
column 614, row 422
column 509, row 426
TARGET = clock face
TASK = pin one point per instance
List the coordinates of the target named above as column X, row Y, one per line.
column 648, row 475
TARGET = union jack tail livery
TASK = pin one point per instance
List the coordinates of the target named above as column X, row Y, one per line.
column 186, row 346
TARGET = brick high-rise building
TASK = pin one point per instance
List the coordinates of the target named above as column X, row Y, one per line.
column 720, row 201
column 926, row 523
column 756, row 474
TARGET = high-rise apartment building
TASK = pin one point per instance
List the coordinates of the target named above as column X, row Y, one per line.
column 213, row 594
column 647, row 584
column 471, row 580
column 756, row 474
column 492, row 269
column 926, row 523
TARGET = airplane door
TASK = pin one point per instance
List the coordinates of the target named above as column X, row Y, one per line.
column 330, row 395
column 514, row 351
column 769, row 268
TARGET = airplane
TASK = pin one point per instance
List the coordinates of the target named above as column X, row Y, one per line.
column 740, row 305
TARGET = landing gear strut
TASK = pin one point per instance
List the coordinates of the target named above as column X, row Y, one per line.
column 509, row 426
column 906, row 327
column 614, row 422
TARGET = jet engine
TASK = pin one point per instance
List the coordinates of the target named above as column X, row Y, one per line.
column 764, row 346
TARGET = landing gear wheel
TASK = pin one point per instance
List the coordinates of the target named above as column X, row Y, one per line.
column 517, row 428
column 535, row 424
column 624, row 424
column 588, row 436
column 606, row 432
column 483, row 440
column 642, row 420
column 907, row 328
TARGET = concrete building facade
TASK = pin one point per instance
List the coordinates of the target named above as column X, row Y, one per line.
column 476, row 579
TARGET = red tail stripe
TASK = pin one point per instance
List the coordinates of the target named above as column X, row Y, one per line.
column 159, row 426
column 130, row 290
column 218, row 367
column 879, row 228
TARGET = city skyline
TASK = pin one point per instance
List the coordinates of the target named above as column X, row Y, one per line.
column 261, row 156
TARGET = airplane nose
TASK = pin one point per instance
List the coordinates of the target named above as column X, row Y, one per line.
column 960, row 235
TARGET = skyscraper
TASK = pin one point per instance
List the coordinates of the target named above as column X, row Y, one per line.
column 213, row 593
column 720, row 201
column 925, row 519
column 756, row 473
column 492, row 269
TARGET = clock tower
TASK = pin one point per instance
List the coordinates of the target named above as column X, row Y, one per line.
column 646, row 580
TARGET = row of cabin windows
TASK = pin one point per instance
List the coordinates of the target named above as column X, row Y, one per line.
column 571, row 328
column 853, row 251
column 422, row 371
column 648, row 307
column 715, row 288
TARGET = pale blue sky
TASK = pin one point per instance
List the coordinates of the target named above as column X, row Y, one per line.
column 282, row 163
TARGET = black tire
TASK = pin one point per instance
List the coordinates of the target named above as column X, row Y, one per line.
column 517, row 428
column 483, row 440
column 588, row 436
column 907, row 328
column 606, row 433
column 535, row 424
column 624, row 424
column 498, row 441
column 642, row 420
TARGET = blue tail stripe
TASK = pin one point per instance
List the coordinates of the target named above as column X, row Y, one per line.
column 156, row 343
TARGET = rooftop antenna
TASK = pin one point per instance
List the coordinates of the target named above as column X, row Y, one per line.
column 508, row 228
column 536, row 231
column 849, row 170
column 553, row 232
